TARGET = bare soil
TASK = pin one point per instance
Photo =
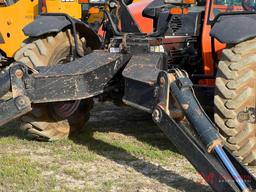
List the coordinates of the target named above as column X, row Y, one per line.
column 121, row 150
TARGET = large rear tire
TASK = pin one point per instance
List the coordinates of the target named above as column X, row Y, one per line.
column 235, row 100
column 56, row 120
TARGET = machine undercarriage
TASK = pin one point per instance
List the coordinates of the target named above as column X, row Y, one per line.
column 143, row 78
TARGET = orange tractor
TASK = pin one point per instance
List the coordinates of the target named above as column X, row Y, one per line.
column 170, row 58
column 230, row 78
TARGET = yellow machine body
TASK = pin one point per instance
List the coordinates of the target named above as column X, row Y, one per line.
column 71, row 7
column 14, row 17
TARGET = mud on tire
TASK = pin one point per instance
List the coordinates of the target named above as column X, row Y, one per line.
column 44, row 123
column 235, row 100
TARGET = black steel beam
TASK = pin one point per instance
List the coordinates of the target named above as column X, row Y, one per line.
column 197, row 138
column 83, row 78
column 14, row 108
column 207, row 165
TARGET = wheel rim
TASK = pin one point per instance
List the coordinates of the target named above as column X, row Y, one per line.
column 43, row 123
column 65, row 109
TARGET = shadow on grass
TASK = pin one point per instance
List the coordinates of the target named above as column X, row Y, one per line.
column 12, row 130
column 122, row 157
column 127, row 121
column 130, row 122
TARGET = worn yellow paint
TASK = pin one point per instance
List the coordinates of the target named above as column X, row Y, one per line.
column 73, row 8
column 13, row 18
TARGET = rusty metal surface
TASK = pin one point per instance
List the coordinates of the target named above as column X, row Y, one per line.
column 14, row 108
column 144, row 67
column 140, row 78
column 80, row 79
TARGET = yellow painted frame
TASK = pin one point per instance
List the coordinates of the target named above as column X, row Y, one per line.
column 12, row 20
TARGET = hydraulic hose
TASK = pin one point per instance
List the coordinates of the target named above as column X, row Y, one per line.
column 230, row 167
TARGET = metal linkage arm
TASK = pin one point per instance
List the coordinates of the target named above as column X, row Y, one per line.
column 200, row 144
column 80, row 79
column 14, row 108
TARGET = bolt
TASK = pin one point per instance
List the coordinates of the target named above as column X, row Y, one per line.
column 21, row 102
column 156, row 115
column 117, row 63
column 19, row 73
column 9, row 22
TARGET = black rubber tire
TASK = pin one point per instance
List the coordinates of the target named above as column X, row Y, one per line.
column 235, row 100
column 43, row 123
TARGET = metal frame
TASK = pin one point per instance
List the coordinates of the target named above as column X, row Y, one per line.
column 94, row 74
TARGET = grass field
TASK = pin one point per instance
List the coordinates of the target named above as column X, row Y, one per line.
column 120, row 150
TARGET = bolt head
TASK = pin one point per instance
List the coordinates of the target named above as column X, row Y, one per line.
column 21, row 102
column 156, row 115
column 19, row 73
column 9, row 22
column 117, row 63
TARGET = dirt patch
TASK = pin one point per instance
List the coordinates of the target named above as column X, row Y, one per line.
column 121, row 150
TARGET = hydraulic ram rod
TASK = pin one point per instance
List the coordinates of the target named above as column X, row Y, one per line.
column 182, row 91
column 203, row 140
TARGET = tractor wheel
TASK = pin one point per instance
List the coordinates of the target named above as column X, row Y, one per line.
column 235, row 100
column 53, row 121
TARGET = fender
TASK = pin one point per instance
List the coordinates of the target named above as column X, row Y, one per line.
column 233, row 29
column 145, row 24
column 53, row 24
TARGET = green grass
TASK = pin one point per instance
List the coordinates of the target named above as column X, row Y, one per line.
column 27, row 165
column 21, row 170
column 71, row 151
column 18, row 173
column 136, row 148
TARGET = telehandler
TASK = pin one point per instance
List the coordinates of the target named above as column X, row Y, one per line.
column 11, row 35
column 15, row 14
column 64, row 65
